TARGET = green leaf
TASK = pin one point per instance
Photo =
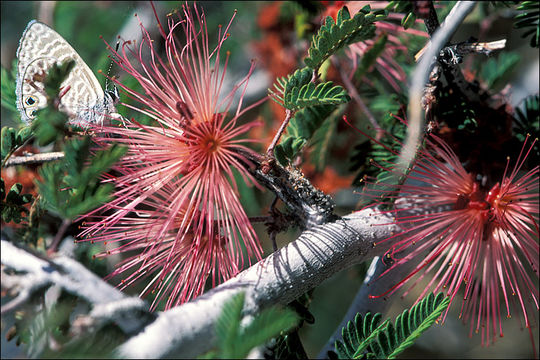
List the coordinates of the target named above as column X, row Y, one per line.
column 228, row 325
column 321, row 140
column 313, row 95
column 529, row 19
column 362, row 336
column 406, row 8
column 77, row 175
column 13, row 203
column 333, row 36
column 408, row 20
column 13, row 139
column 235, row 341
column 267, row 324
column 285, row 85
column 8, row 141
column 300, row 129
column 496, row 70
column 8, row 83
column 358, row 334
column 426, row 312
column 370, row 56
column 50, row 124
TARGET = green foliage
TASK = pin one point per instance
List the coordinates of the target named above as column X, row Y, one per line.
column 48, row 334
column 289, row 345
column 322, row 139
column 13, row 139
column 301, row 128
column 371, row 56
column 50, row 124
column 406, row 8
column 13, row 203
column 362, row 338
column 312, row 95
column 71, row 187
column 496, row 70
column 528, row 122
column 9, row 100
column 297, row 91
column 457, row 111
column 529, row 19
column 81, row 24
column 383, row 151
column 333, row 36
column 234, row 341
column 528, row 119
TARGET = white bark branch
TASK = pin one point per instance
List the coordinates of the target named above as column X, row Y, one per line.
column 74, row 278
column 420, row 78
column 188, row 330
column 320, row 252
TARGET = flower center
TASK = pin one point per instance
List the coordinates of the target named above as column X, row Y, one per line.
column 210, row 144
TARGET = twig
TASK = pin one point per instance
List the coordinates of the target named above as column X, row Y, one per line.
column 288, row 115
column 188, row 330
column 34, row 159
column 420, row 78
column 485, row 48
column 356, row 97
column 58, row 237
column 31, row 286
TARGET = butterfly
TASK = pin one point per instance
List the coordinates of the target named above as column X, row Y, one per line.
column 82, row 97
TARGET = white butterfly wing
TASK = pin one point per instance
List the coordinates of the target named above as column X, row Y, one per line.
column 39, row 48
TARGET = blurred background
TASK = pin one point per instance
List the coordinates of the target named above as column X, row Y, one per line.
column 276, row 35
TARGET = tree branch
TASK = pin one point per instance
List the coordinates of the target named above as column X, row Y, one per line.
column 420, row 78
column 34, row 158
column 318, row 253
column 73, row 278
column 188, row 330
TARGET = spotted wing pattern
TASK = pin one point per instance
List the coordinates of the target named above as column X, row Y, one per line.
column 83, row 98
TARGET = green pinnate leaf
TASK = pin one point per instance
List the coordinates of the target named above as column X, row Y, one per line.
column 314, row 95
column 234, row 341
column 8, row 82
column 408, row 20
column 363, row 338
column 8, row 140
column 342, row 16
column 13, row 203
column 333, row 36
column 78, row 176
column 286, row 85
column 529, row 19
column 301, row 129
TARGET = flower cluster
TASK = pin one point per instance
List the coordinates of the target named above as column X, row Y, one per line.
column 463, row 233
column 176, row 212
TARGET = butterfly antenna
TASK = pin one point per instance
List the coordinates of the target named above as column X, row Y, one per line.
column 114, row 91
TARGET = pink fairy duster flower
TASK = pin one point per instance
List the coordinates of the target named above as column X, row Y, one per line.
column 467, row 235
column 176, row 211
